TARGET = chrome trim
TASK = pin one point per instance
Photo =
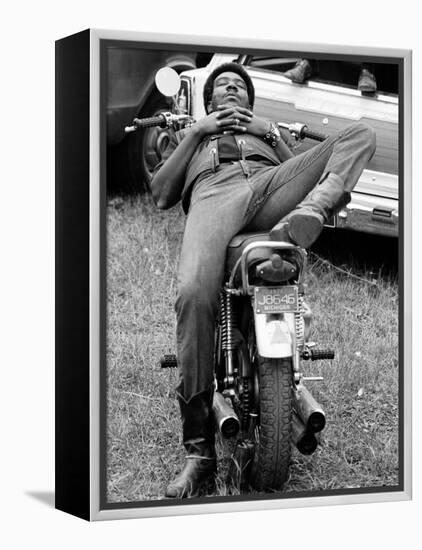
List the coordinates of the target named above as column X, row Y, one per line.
column 360, row 215
column 247, row 289
column 378, row 184
column 188, row 82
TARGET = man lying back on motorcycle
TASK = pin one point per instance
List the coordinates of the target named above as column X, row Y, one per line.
column 234, row 172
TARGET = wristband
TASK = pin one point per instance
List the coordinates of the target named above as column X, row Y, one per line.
column 273, row 136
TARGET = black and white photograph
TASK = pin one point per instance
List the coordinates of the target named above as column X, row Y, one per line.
column 210, row 281
column 252, row 275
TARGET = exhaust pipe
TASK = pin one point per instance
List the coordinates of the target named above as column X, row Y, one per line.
column 225, row 417
column 308, row 409
column 305, row 441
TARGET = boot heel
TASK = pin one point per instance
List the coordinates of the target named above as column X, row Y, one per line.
column 304, row 228
column 305, row 223
column 280, row 233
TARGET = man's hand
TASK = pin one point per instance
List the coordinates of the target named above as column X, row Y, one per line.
column 232, row 119
column 244, row 120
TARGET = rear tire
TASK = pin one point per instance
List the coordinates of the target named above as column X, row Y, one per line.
column 273, row 433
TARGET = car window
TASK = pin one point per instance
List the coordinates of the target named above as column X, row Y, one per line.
column 279, row 64
column 339, row 73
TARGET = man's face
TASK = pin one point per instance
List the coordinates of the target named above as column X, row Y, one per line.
column 229, row 89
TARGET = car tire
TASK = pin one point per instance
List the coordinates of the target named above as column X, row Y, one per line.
column 153, row 141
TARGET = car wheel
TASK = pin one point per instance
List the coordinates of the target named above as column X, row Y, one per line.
column 153, row 141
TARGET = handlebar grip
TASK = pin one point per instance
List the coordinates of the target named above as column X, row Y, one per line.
column 146, row 123
column 149, row 122
column 311, row 134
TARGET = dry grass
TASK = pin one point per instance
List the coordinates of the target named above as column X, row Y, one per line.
column 359, row 446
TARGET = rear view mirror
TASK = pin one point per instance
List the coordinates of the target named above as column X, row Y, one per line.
column 167, row 81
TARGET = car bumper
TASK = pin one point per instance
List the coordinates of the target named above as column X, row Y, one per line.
column 369, row 214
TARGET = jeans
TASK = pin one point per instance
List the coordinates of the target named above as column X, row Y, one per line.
column 248, row 196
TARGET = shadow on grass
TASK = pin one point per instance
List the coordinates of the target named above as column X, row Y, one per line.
column 360, row 251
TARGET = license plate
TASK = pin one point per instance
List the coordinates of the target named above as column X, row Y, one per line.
column 276, row 299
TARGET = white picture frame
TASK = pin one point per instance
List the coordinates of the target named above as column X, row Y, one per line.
column 83, row 293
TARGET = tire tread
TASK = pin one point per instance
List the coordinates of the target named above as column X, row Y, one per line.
column 274, row 450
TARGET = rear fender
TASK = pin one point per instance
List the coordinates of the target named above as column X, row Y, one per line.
column 275, row 334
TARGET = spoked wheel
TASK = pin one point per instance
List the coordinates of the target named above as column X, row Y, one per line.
column 271, row 462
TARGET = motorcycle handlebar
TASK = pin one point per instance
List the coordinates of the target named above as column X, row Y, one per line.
column 163, row 120
column 312, row 134
column 146, row 123
column 301, row 131
column 168, row 120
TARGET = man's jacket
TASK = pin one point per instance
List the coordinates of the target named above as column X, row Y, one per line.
column 206, row 157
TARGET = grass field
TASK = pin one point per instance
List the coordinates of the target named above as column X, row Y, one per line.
column 355, row 312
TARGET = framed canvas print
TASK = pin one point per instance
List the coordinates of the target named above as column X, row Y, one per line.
column 233, row 274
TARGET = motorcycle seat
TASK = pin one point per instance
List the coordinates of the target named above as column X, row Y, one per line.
column 239, row 242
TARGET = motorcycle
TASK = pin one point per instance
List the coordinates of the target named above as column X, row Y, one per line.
column 261, row 345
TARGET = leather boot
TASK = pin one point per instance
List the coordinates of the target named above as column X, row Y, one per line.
column 367, row 83
column 303, row 225
column 300, row 72
column 198, row 439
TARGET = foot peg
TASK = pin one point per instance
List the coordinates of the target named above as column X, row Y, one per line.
column 168, row 361
column 317, row 354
